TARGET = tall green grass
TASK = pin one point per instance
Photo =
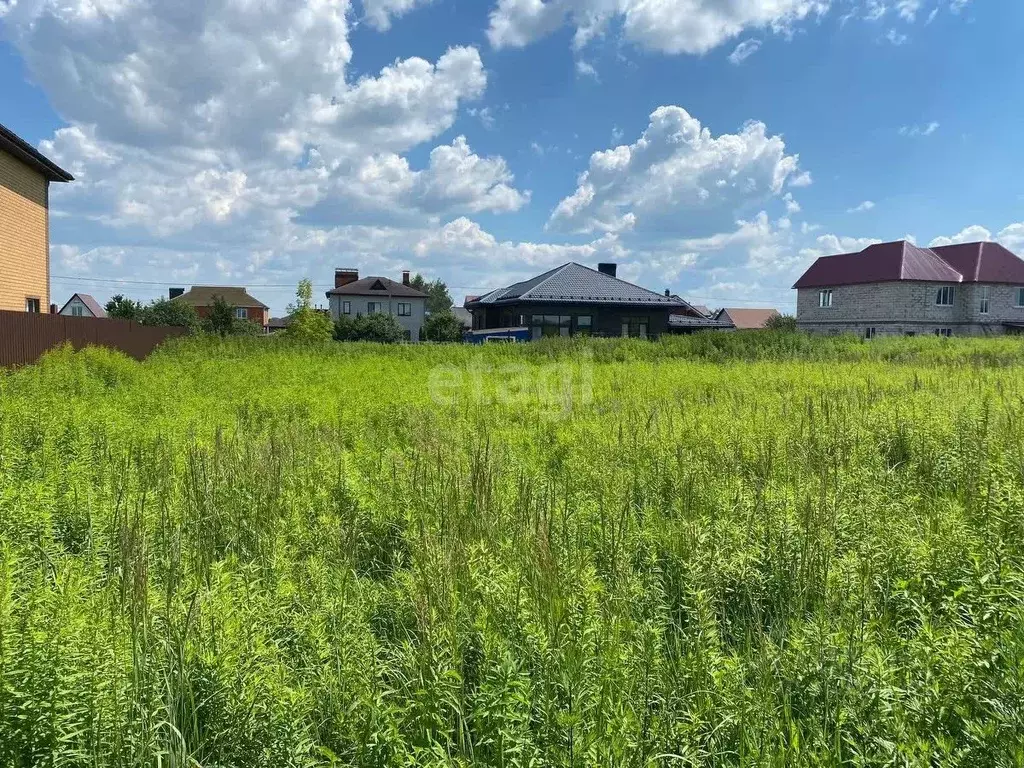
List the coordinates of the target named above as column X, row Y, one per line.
column 736, row 549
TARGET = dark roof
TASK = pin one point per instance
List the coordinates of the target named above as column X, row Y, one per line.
column 377, row 286
column 21, row 149
column 746, row 318
column 91, row 303
column 689, row 321
column 279, row 322
column 703, row 309
column 203, row 296
column 575, row 283
column 900, row 260
column 983, row 262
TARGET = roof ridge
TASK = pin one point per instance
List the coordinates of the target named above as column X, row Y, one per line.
column 616, row 277
column 552, row 273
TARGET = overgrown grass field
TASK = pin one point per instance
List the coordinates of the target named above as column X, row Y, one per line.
column 709, row 551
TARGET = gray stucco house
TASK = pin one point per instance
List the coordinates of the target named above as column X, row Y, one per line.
column 352, row 297
column 897, row 288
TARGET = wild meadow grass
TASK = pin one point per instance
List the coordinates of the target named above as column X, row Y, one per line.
column 719, row 550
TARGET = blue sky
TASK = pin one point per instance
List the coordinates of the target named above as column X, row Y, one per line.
column 713, row 147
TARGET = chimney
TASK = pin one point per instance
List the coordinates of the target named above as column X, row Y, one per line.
column 173, row 293
column 53, row 309
column 667, row 293
column 344, row 276
column 606, row 268
column 405, row 277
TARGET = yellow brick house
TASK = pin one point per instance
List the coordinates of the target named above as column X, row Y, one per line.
column 25, row 177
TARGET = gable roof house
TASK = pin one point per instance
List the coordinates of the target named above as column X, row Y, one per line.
column 25, row 176
column 202, row 297
column 746, row 318
column 352, row 297
column 82, row 305
column 899, row 288
column 574, row 299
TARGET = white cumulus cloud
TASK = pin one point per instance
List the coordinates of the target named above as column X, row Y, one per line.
column 744, row 51
column 687, row 26
column 678, row 176
column 867, row 205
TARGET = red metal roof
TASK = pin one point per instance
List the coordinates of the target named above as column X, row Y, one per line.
column 983, row 262
column 900, row 260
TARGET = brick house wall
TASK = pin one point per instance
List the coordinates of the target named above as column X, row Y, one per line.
column 24, row 235
column 908, row 307
column 254, row 314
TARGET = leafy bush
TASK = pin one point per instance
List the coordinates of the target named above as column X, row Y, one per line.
column 378, row 327
column 443, row 327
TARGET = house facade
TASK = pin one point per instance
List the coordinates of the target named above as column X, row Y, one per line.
column 82, row 305
column 969, row 289
column 25, row 177
column 575, row 300
column 353, row 297
column 203, row 297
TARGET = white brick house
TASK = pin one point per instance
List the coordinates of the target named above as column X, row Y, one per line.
column 900, row 289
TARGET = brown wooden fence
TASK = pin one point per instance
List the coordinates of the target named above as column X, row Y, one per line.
column 24, row 337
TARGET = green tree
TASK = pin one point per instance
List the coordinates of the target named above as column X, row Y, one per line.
column 307, row 322
column 123, row 308
column 438, row 297
column 221, row 320
column 442, row 326
column 169, row 312
column 381, row 328
column 785, row 323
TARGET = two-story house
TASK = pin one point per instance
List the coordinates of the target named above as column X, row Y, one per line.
column 203, row 297
column 352, row 297
column 25, row 177
column 898, row 288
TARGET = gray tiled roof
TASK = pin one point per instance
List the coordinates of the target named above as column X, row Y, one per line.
column 687, row 321
column 574, row 282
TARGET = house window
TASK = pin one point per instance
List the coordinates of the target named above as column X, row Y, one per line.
column 825, row 298
column 983, row 300
column 373, row 307
column 869, row 333
column 76, row 311
column 1020, row 297
column 241, row 313
column 584, row 323
column 944, row 298
column 346, row 307
column 404, row 310
column 943, row 331
column 635, row 327
column 550, row 325
column 32, row 305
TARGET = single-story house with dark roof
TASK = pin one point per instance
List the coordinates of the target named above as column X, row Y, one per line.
column 82, row 305
column 352, row 297
column 899, row 288
column 202, row 297
column 574, row 299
